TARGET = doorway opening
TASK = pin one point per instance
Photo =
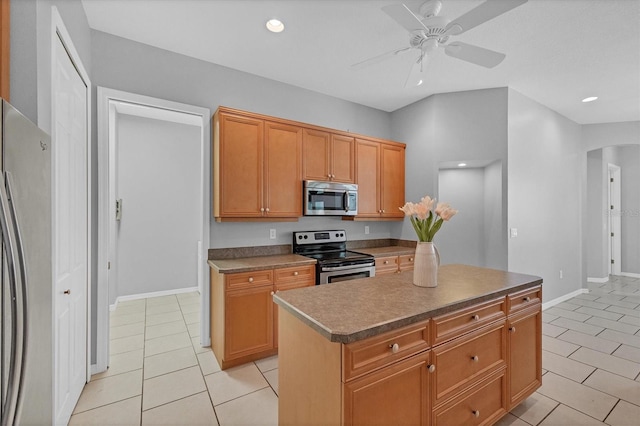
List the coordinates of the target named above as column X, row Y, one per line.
column 153, row 167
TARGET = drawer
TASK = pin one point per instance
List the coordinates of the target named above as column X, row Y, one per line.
column 449, row 326
column 463, row 361
column 386, row 265
column 524, row 299
column 484, row 404
column 367, row 355
column 298, row 276
column 249, row 279
column 406, row 262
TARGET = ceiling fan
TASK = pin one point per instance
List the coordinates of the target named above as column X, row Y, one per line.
column 430, row 31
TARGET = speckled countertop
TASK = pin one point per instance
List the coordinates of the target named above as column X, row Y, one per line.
column 349, row 311
column 247, row 264
column 386, row 251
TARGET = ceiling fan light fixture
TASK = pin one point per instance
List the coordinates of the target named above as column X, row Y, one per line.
column 275, row 25
column 590, row 99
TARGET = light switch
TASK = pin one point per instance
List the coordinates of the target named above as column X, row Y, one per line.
column 513, row 232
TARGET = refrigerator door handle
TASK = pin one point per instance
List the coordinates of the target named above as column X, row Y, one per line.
column 22, row 302
column 10, row 404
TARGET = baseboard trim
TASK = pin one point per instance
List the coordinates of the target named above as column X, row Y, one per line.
column 152, row 294
column 561, row 299
column 630, row 274
column 597, row 280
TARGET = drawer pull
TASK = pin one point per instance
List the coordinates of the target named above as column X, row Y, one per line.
column 476, row 413
column 431, row 368
column 526, row 299
column 512, row 329
column 250, row 279
column 394, row 348
column 411, row 259
column 295, row 273
column 476, row 317
column 386, row 261
column 475, row 358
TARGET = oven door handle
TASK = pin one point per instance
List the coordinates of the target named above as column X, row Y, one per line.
column 346, row 268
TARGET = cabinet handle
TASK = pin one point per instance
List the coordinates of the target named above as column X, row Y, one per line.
column 295, row 274
column 395, row 348
column 431, row 368
column 68, row 291
column 262, row 209
column 526, row 299
column 273, row 292
column 476, row 317
column 386, row 261
column 476, row 413
column 250, row 279
column 267, row 209
column 475, row 358
column 411, row 259
column 512, row 329
column 382, row 210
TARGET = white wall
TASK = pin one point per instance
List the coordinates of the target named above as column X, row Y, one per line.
column 545, row 195
column 158, row 180
column 494, row 242
column 463, row 126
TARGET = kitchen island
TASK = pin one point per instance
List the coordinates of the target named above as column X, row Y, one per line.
column 383, row 351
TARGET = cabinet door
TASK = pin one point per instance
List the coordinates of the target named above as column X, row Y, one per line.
column 524, row 348
column 392, row 181
column 343, row 156
column 240, row 164
column 287, row 279
column 368, row 178
column 395, row 395
column 248, row 321
column 283, row 170
column 315, row 149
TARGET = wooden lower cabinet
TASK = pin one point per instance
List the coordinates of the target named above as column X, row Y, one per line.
column 249, row 322
column 395, row 395
column 472, row 376
column 525, row 361
column 394, row 264
column 244, row 319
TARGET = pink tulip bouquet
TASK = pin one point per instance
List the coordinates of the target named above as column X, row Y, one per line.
column 425, row 220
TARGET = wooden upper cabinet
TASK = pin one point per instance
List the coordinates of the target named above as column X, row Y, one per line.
column 368, row 178
column 380, row 175
column 328, row 156
column 343, row 156
column 315, row 147
column 283, row 177
column 392, row 181
column 238, row 166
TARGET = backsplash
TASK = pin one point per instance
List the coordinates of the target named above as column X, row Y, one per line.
column 274, row 250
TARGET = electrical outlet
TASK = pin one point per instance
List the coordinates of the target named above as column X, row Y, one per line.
column 513, row 232
column 272, row 234
column 561, row 274
column 366, row 229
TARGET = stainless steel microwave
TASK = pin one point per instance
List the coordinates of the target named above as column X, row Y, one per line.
column 330, row 198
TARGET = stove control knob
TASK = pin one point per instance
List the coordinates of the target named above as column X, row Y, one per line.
column 306, row 236
column 337, row 235
column 341, row 234
column 299, row 237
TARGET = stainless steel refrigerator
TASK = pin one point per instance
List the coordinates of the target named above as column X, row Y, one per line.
column 27, row 280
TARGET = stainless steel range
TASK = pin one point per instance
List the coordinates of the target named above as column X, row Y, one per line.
column 335, row 262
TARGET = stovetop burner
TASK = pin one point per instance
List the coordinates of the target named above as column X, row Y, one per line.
column 328, row 247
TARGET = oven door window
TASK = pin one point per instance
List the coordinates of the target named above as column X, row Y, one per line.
column 345, row 277
column 325, row 201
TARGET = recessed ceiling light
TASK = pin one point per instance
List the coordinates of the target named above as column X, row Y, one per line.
column 462, row 164
column 275, row 26
column 590, row 99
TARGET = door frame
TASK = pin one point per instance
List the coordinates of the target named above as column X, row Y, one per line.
column 59, row 32
column 110, row 102
column 614, row 219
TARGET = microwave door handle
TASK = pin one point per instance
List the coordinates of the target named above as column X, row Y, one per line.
column 345, row 201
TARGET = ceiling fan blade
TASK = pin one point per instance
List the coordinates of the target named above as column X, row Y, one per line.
column 483, row 13
column 474, row 54
column 404, row 16
column 378, row 58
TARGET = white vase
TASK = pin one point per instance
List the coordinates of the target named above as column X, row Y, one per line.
column 425, row 265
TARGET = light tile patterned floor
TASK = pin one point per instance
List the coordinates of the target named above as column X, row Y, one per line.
column 160, row 375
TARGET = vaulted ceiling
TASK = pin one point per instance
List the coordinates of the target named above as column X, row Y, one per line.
column 557, row 51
